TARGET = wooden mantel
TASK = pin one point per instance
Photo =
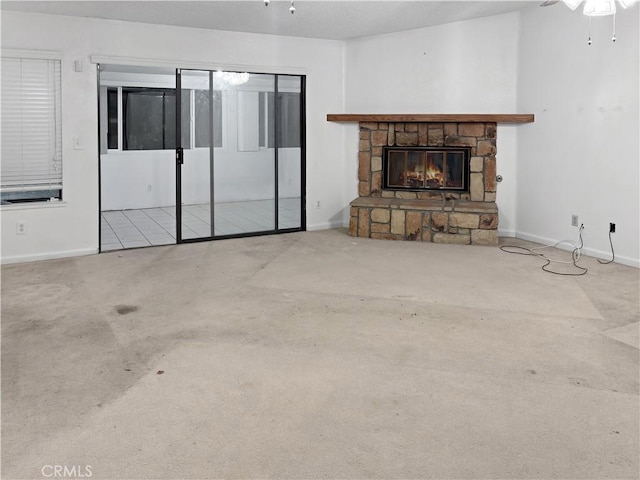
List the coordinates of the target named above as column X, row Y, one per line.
column 433, row 117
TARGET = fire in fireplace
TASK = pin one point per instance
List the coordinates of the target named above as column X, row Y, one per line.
column 426, row 168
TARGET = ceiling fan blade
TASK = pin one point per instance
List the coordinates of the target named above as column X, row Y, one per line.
column 548, row 3
column 572, row 4
column 627, row 3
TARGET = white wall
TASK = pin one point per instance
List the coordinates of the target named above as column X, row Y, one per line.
column 463, row 67
column 581, row 156
column 585, row 100
column 72, row 228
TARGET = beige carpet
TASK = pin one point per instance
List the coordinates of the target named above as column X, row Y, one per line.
column 317, row 355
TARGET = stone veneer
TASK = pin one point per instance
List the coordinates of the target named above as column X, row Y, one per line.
column 441, row 217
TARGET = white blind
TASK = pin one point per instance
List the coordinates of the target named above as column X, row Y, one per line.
column 31, row 125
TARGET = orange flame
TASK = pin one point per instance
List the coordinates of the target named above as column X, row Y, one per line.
column 433, row 171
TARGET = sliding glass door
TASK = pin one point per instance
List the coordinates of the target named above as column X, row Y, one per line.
column 234, row 140
column 240, row 164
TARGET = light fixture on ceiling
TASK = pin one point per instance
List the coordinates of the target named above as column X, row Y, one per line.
column 598, row 8
column 292, row 8
column 595, row 8
column 224, row 79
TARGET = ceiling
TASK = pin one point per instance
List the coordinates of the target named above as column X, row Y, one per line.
column 328, row 19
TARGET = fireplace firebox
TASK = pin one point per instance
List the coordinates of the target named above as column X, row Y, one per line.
column 426, row 168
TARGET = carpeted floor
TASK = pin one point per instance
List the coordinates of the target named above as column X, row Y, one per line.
column 318, row 355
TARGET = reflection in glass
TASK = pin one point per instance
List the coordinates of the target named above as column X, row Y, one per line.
column 196, row 171
column 149, row 119
column 202, row 123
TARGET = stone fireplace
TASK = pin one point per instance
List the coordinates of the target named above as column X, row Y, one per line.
column 427, row 177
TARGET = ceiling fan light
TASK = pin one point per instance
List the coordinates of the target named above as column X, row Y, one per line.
column 599, row 8
column 572, row 4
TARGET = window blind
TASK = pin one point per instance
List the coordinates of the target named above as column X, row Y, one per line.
column 31, row 125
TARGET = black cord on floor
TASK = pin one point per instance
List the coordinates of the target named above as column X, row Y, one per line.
column 575, row 255
column 613, row 254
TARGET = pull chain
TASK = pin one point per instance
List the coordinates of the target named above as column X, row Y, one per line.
column 589, row 42
column 613, row 39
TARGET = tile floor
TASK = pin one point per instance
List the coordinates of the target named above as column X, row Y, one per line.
column 157, row 226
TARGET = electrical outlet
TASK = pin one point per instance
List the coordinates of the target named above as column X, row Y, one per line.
column 612, row 228
column 574, row 220
column 148, row 188
column 318, row 204
column 21, row 228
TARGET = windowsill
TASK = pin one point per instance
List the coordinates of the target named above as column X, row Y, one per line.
column 129, row 152
column 123, row 153
column 33, row 206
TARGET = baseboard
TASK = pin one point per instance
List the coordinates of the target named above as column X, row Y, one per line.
column 47, row 256
column 506, row 233
column 324, row 226
column 592, row 252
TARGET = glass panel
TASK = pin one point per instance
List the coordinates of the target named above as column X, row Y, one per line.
column 186, row 124
column 263, row 119
column 244, row 176
column 143, row 116
column 149, row 119
column 415, row 169
column 248, row 108
column 202, row 123
column 289, row 152
column 289, row 114
column 137, row 186
column 455, row 170
column 434, row 171
column 396, row 167
column 112, row 118
column 426, row 168
column 195, row 172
